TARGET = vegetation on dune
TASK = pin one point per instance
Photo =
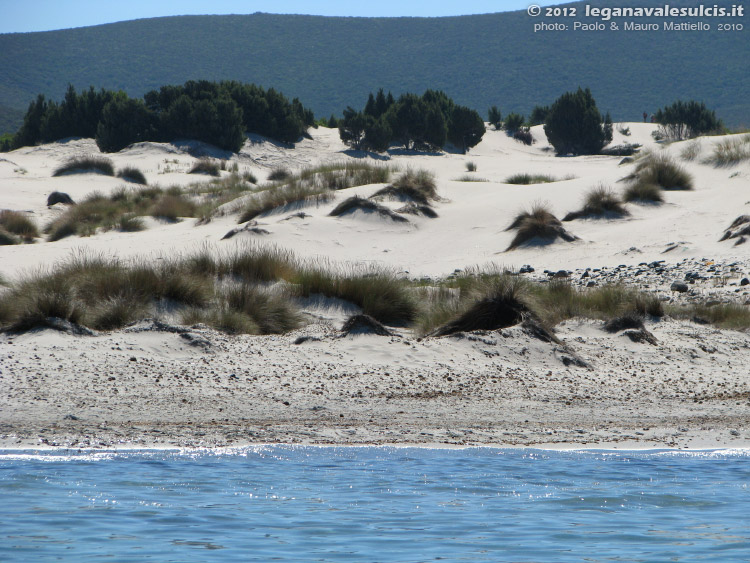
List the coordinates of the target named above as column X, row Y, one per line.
column 730, row 152
column 574, row 125
column 311, row 186
column 132, row 174
column 659, row 169
column 255, row 289
column 120, row 210
column 83, row 164
column 685, row 120
column 424, row 122
column 219, row 113
column 537, row 225
column 205, row 166
column 527, row 179
column 19, row 224
column 600, row 201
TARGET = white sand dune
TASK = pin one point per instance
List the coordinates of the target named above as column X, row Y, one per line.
column 692, row 389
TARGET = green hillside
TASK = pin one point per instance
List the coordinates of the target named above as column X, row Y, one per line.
column 330, row 63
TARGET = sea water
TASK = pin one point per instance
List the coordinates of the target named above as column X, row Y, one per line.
column 375, row 504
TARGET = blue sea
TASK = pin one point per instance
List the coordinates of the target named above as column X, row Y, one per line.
column 374, row 504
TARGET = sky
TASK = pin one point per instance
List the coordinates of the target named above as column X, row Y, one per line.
column 43, row 15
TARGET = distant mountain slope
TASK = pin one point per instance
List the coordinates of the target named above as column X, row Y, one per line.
column 330, row 63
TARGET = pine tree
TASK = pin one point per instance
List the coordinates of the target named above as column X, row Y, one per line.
column 574, row 124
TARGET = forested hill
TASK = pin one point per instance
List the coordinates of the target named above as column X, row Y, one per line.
column 330, row 63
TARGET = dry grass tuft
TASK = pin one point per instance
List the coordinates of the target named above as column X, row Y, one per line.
column 84, row 164
column 19, row 224
column 600, row 201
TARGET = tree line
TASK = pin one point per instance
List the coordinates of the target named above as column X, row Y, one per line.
column 417, row 122
column 221, row 113
column 218, row 113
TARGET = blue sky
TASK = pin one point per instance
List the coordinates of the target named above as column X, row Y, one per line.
column 43, row 15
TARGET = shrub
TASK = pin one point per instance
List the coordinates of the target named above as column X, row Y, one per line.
column 82, row 164
column 684, row 120
column 18, row 224
column 523, row 135
column 132, row 174
column 471, row 166
column 538, row 115
column 494, row 117
column 526, row 179
column 600, row 201
column 661, row 170
column 575, row 126
column 205, row 166
column 513, row 122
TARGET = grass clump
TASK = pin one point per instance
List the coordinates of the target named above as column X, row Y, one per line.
column 417, row 186
column 732, row 316
column 379, row 293
column 282, row 196
column 495, row 302
column 84, row 164
column 661, row 170
column 640, row 192
column 469, row 178
column 205, row 166
column 120, row 210
column 132, row 174
column 600, row 201
column 18, row 224
column 356, row 203
column 537, row 225
column 7, row 238
column 527, row 179
column 731, row 151
column 691, row 150
column 172, row 207
column 279, row 174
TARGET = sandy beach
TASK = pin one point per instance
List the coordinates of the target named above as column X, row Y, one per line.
column 160, row 384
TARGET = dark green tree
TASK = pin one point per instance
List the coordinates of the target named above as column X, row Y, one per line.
column 30, row 132
column 352, row 128
column 378, row 135
column 574, row 124
column 435, row 127
column 124, row 121
column 466, row 128
column 494, row 117
column 513, row 122
column 538, row 115
column 684, row 120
